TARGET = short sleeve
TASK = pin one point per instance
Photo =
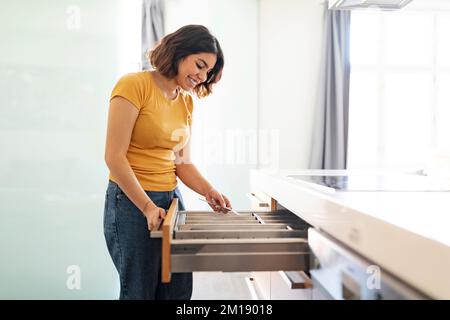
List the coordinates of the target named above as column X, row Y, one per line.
column 131, row 87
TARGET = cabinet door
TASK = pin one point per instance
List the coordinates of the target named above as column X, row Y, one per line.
column 293, row 285
column 260, row 201
column 261, row 283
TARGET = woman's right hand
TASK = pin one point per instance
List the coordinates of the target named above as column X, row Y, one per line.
column 154, row 217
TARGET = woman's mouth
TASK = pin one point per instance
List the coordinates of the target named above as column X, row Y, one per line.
column 192, row 82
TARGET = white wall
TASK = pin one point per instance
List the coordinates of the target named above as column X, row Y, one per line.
column 290, row 49
column 224, row 124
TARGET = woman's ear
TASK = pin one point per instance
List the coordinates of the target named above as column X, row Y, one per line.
column 218, row 76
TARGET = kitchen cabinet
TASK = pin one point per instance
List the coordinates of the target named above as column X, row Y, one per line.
column 281, row 285
column 374, row 224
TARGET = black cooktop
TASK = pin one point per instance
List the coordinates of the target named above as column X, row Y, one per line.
column 406, row 182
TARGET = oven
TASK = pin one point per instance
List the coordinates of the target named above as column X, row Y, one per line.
column 339, row 273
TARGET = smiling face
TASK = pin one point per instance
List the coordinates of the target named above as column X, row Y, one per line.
column 194, row 69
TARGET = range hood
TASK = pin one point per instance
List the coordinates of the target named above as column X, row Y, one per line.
column 367, row 4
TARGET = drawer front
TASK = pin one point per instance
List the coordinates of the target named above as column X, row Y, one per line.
column 250, row 241
column 238, row 257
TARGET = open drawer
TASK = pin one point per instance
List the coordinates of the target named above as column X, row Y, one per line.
column 250, row 241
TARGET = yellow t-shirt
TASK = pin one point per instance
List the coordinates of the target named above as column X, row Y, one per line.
column 162, row 127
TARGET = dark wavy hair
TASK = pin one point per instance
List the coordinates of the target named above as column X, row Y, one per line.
column 190, row 39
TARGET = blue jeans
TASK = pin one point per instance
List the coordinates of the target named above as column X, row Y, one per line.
column 136, row 256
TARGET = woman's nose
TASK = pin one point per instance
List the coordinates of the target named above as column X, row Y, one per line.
column 202, row 76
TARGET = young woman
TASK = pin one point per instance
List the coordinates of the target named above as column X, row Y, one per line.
column 147, row 148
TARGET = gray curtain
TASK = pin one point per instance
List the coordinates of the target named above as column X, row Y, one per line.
column 152, row 27
column 330, row 135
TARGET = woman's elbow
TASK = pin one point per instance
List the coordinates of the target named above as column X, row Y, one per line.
column 111, row 159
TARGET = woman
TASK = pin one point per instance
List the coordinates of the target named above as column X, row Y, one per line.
column 147, row 148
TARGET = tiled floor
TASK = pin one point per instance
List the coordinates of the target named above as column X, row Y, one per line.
column 220, row 286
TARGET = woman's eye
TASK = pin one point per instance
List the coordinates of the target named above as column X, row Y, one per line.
column 199, row 66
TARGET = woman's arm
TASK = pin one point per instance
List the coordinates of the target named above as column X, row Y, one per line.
column 121, row 119
column 191, row 177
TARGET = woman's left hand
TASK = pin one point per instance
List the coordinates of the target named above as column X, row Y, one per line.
column 217, row 200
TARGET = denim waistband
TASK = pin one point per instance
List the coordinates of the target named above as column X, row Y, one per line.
column 114, row 187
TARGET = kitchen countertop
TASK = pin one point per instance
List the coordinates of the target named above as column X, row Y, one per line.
column 404, row 232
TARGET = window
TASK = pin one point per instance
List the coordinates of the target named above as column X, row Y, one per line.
column 399, row 88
